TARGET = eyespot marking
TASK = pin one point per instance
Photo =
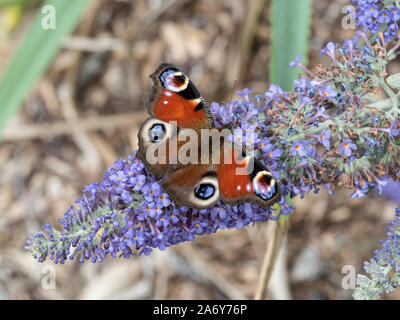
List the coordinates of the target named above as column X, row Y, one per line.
column 174, row 80
column 157, row 132
column 264, row 185
column 179, row 78
column 204, row 191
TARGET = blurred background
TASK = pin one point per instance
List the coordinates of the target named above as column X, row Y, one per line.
column 84, row 112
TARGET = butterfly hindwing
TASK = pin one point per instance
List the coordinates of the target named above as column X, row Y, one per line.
column 163, row 147
column 154, row 146
column 193, row 186
column 245, row 179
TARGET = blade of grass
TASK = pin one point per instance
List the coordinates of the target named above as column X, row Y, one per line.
column 35, row 53
column 290, row 29
column 5, row 3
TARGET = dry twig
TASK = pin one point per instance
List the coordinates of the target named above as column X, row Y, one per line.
column 51, row 130
column 277, row 234
column 198, row 259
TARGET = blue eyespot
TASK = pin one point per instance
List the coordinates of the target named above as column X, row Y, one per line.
column 269, row 195
column 204, row 191
column 157, row 132
column 263, row 186
column 173, row 80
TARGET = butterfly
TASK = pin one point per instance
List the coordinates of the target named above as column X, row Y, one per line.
column 181, row 146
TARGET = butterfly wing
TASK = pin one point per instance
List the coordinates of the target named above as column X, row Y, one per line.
column 156, row 149
column 236, row 179
column 244, row 179
column 175, row 98
column 175, row 106
column 193, row 186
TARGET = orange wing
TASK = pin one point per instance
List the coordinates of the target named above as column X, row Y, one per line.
column 171, row 106
column 175, row 98
column 233, row 179
column 244, row 179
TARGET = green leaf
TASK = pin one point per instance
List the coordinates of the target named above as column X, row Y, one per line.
column 290, row 29
column 35, row 54
column 394, row 81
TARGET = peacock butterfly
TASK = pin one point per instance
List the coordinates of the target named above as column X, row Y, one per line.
column 197, row 163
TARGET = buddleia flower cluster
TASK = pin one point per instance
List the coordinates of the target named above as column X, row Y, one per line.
column 339, row 127
column 129, row 214
column 378, row 16
column 380, row 268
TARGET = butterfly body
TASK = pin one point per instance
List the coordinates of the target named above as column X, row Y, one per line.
column 196, row 161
